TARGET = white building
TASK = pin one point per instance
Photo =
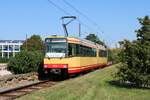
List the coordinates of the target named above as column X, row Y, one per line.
column 9, row 48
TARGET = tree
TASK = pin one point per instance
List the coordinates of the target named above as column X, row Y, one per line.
column 34, row 43
column 135, row 57
column 30, row 58
column 94, row 38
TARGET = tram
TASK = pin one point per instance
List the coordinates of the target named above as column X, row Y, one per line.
column 69, row 55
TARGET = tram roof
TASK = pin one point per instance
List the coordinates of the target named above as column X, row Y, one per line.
column 80, row 41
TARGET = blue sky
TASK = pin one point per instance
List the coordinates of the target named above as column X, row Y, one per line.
column 117, row 19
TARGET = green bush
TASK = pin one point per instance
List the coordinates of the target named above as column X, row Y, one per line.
column 25, row 62
column 4, row 60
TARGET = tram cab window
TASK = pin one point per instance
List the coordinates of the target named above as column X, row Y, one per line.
column 55, row 45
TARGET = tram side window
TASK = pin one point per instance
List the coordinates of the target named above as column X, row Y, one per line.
column 80, row 50
column 71, row 49
column 87, row 51
column 103, row 53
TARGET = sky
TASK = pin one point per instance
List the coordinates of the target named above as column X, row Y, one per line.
column 115, row 20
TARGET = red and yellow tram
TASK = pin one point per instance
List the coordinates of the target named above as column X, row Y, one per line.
column 69, row 55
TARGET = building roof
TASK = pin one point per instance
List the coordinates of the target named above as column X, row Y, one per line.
column 11, row 41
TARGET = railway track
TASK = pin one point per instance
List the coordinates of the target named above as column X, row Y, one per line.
column 14, row 93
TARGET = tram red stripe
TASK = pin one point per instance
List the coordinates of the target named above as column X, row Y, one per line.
column 86, row 66
column 74, row 69
column 55, row 65
column 81, row 69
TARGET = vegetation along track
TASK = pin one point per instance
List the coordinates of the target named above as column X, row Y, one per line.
column 14, row 93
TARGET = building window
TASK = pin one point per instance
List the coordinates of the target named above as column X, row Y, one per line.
column 10, row 47
column 16, row 47
column 5, row 54
column 5, row 47
column 10, row 54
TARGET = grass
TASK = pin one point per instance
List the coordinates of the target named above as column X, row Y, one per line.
column 93, row 86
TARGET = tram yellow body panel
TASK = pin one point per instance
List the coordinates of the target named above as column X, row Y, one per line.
column 78, row 63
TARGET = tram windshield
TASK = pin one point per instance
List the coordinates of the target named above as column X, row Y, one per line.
column 56, row 46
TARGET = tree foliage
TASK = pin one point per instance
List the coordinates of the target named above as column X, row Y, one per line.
column 94, row 38
column 113, row 55
column 30, row 58
column 135, row 57
column 25, row 61
column 34, row 43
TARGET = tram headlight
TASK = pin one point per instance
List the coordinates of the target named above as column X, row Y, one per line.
column 45, row 66
column 65, row 66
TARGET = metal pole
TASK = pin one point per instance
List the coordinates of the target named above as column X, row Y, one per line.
column 79, row 29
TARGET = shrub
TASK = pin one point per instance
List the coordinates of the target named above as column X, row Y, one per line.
column 3, row 60
column 25, row 62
